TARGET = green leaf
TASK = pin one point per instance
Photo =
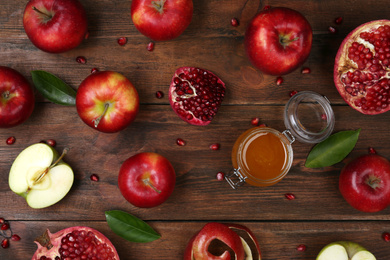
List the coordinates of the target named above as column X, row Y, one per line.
column 333, row 149
column 130, row 227
column 53, row 88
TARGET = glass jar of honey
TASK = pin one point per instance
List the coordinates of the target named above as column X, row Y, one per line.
column 263, row 156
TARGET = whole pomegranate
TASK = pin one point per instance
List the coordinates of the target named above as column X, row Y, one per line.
column 196, row 94
column 361, row 70
column 74, row 243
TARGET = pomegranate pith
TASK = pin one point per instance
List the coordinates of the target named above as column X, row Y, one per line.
column 362, row 66
column 195, row 95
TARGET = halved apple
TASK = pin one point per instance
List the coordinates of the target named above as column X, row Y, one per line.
column 344, row 250
column 40, row 176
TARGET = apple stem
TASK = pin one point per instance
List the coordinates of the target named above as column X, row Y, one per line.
column 97, row 120
column 284, row 41
column 147, row 182
column 374, row 182
column 43, row 174
column 159, row 5
column 6, row 94
column 39, row 11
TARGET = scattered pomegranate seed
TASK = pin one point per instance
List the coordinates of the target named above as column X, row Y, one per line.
column 266, row 7
column 5, row 226
column 371, row 150
column 386, row 236
column 214, row 147
column 86, row 36
column 323, row 117
column 15, row 237
column 279, row 81
column 292, row 93
column 159, row 94
column 234, row 22
column 255, row 121
column 301, row 248
column 180, row 142
column 289, row 196
column 338, row 20
column 94, row 70
column 220, row 176
column 11, row 140
column 51, row 142
column 332, row 29
column 305, row 71
column 2, row 220
column 263, row 125
column 122, row 41
column 81, row 60
column 5, row 243
column 150, row 46
column 94, row 177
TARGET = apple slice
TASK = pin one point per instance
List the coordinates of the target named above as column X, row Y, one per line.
column 344, row 250
column 40, row 176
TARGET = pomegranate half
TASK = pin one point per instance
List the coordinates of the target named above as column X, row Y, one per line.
column 362, row 68
column 74, row 243
column 196, row 94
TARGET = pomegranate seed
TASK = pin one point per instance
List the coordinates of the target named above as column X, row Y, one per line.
column 323, row 117
column 263, row 125
column 266, row 7
column 289, row 196
column 2, row 220
column 234, row 22
column 332, row 29
column 305, row 71
column 51, row 142
column 94, row 70
column 214, row 146
column 86, row 36
column 150, row 46
column 279, row 81
column 220, row 176
column 94, row 177
column 255, row 121
column 81, row 60
column 159, row 94
column 371, row 150
column 301, row 248
column 386, row 236
column 11, row 140
column 338, row 20
column 292, row 93
column 122, row 41
column 180, row 142
column 5, row 226
column 5, row 243
column 15, row 237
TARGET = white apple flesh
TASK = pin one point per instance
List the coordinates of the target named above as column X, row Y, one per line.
column 344, row 250
column 38, row 176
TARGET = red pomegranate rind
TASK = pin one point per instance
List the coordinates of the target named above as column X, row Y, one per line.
column 196, row 94
column 74, row 243
column 362, row 68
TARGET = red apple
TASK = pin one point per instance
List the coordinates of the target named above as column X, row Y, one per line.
column 16, row 98
column 146, row 179
column 107, row 101
column 365, row 183
column 161, row 20
column 55, row 25
column 278, row 40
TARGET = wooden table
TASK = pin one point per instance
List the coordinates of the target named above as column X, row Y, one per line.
column 319, row 215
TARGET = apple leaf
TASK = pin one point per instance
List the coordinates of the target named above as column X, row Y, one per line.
column 130, row 227
column 333, row 149
column 53, row 88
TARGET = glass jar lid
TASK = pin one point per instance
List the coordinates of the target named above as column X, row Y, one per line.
column 309, row 117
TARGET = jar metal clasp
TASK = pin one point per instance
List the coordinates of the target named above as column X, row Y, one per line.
column 235, row 174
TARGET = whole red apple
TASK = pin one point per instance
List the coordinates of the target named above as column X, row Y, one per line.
column 146, row 179
column 107, row 101
column 16, row 98
column 55, row 25
column 278, row 40
column 365, row 183
column 161, row 20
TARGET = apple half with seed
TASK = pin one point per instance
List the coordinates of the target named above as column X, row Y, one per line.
column 344, row 250
column 40, row 176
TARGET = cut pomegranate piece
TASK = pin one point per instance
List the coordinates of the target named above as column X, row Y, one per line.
column 361, row 70
column 195, row 95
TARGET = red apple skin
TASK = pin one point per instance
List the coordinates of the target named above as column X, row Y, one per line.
column 365, row 183
column 112, row 89
column 17, row 98
column 64, row 31
column 137, row 171
column 164, row 25
column 265, row 34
